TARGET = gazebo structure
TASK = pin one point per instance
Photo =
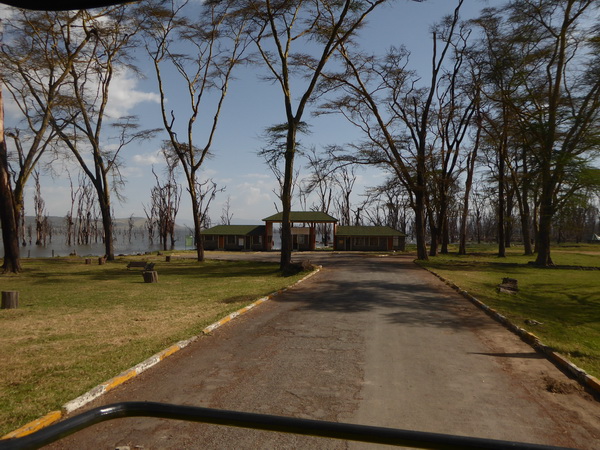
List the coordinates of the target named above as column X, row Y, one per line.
column 303, row 223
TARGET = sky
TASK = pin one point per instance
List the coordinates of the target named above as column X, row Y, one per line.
column 251, row 105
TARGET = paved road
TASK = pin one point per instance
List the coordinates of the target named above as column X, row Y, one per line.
column 372, row 340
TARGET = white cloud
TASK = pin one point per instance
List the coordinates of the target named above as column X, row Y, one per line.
column 149, row 159
column 124, row 96
column 258, row 175
column 132, row 172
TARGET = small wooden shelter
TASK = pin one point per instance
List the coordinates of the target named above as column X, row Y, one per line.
column 303, row 223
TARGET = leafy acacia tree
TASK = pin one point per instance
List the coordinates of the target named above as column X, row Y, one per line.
column 554, row 95
column 81, row 117
column 35, row 65
column 204, row 53
column 381, row 97
column 284, row 30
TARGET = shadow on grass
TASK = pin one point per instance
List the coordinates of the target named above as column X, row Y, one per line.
column 49, row 274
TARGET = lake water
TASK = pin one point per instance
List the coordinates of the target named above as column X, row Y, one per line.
column 123, row 246
column 139, row 243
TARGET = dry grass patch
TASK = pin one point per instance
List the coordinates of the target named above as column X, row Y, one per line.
column 78, row 325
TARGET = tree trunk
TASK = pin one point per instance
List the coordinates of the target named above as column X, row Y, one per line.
column 286, row 198
column 462, row 246
column 445, row 237
column 420, row 226
column 8, row 219
column 545, row 229
column 433, row 231
column 107, row 225
column 150, row 276
column 197, row 225
column 501, row 209
column 508, row 220
column 10, row 300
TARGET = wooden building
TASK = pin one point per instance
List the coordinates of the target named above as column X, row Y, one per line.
column 369, row 238
column 234, row 237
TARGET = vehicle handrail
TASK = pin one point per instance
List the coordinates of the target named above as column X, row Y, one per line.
column 309, row 427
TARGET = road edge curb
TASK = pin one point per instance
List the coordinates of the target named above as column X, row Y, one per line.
column 560, row 361
column 54, row 416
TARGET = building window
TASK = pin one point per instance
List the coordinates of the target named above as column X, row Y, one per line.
column 231, row 240
column 359, row 241
column 373, row 242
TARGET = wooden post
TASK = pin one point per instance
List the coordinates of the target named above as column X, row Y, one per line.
column 150, row 276
column 88, row 260
column 101, row 260
column 168, row 258
column 10, row 300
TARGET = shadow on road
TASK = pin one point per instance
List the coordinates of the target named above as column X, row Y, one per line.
column 402, row 292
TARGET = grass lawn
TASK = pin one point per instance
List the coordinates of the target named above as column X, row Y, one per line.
column 78, row 325
column 565, row 301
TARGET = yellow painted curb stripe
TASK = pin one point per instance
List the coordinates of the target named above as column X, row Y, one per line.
column 34, row 426
column 119, row 379
column 168, row 352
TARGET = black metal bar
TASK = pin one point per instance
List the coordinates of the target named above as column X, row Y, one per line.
column 345, row 431
column 62, row 5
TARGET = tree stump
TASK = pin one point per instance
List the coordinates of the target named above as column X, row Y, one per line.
column 10, row 300
column 88, row 260
column 150, row 276
column 508, row 286
column 168, row 258
column 101, row 260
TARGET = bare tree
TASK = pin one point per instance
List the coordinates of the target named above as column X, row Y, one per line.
column 165, row 201
column 320, row 184
column 150, row 213
column 86, row 212
column 345, row 180
column 226, row 214
column 204, row 53
column 39, row 207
